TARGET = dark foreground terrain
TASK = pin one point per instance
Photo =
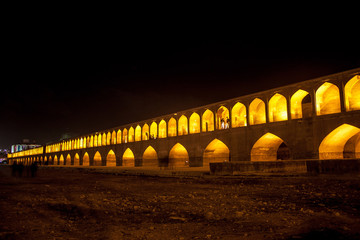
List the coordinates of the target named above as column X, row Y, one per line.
column 70, row 203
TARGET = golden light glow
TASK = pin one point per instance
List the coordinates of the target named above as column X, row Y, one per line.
column 103, row 140
column 131, row 134
column 81, row 143
column 76, row 160
column 238, row 115
column 86, row 159
column 183, row 126
column 178, row 156
column 137, row 133
column 145, row 132
column 95, row 141
column 208, row 121
column 352, row 94
column 222, row 118
column 277, row 108
column 61, row 160
column 327, row 99
column 118, row 136
column 296, row 104
column 99, row 140
column 194, row 123
column 332, row 146
column 216, row 151
column 97, row 159
column 150, row 157
column 257, row 112
column 108, row 138
column 68, row 160
column 172, row 127
column 162, row 129
column 265, row 149
column 113, row 137
column 92, row 141
column 125, row 136
column 128, row 158
column 55, row 161
column 153, row 130
column 111, row 159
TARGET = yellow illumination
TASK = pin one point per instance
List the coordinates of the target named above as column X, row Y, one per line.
column 150, row 158
column 145, row 132
column 222, row 118
column 352, row 94
column 111, row 159
column 257, row 112
column 265, row 149
column 108, row 138
column 208, row 121
column 183, row 126
column 162, row 129
column 103, row 142
column 153, row 130
column 277, row 108
column 97, row 159
column 125, row 136
column 131, row 134
column 332, row 146
column 128, row 158
column 296, row 104
column 113, row 137
column 76, row 160
column 172, row 127
column 238, row 115
column 194, row 123
column 137, row 133
column 216, row 151
column 118, row 136
column 86, row 159
column 55, row 161
column 99, row 140
column 178, row 156
column 61, row 160
column 92, row 141
column 327, row 99
column 68, row 160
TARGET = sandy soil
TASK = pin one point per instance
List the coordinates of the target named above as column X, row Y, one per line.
column 68, row 203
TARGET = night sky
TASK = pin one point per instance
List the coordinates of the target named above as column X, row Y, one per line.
column 78, row 82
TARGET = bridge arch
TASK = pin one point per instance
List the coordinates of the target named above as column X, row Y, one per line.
column 61, row 160
column 238, row 115
column 150, row 157
column 162, row 129
column 257, row 113
column 153, row 130
column 113, row 137
column 194, row 123
column 300, row 104
column 145, row 132
column 97, row 159
column 108, row 138
column 178, row 156
column 128, row 158
column 172, row 127
column 137, row 133
column 86, row 159
column 111, row 159
column 222, row 118
column 216, row 151
column 342, row 142
column 277, row 108
column 207, row 121
column 182, row 125
column 125, row 135
column 131, row 133
column 76, row 160
column 68, row 160
column 56, row 162
column 327, row 99
column 270, row 147
column 118, row 137
column 352, row 94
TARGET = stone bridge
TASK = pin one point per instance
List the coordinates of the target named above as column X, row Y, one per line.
column 313, row 119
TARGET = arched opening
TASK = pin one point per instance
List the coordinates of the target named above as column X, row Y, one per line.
column 153, row 130
column 108, row 138
column 111, row 159
column 61, row 160
column 131, row 134
column 172, row 127
column 92, row 141
column 99, row 140
column 86, row 160
column 103, row 142
column 145, row 132
column 118, row 137
column 277, row 108
column 95, row 141
column 194, row 123
column 55, row 161
column 162, row 129
column 150, row 158
column 222, row 118
column 113, row 137
column 216, row 151
column 128, row 159
column 238, row 115
column 68, row 159
column 125, row 136
column 342, row 142
column 178, row 156
column 257, row 112
column 270, row 148
column 97, row 159
column 300, row 103
column 183, row 126
column 81, row 143
column 327, row 99
column 352, row 94
column 137, row 133
column 76, row 160
column 208, row 121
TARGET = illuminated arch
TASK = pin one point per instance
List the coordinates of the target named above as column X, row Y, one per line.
column 153, row 130
column 128, row 159
column 55, row 161
column 222, row 118
column 145, row 132
column 300, row 107
column 257, row 113
column 81, row 143
column 86, row 160
column 99, row 140
column 125, row 136
column 352, row 94
column 92, row 141
column 95, row 141
column 118, row 136
column 150, row 157
column 76, row 160
column 194, row 123
column 183, row 126
column 238, row 115
column 172, row 127
column 277, row 108
column 111, row 159
column 269, row 148
column 61, row 160
column 216, row 151
column 162, row 129
column 336, row 144
column 178, row 156
column 131, row 134
column 108, row 138
column 113, row 137
column 103, row 140
column 137, row 133
column 327, row 99
column 208, row 121
column 97, row 159
column 68, row 160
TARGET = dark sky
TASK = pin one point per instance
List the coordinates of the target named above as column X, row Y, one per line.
column 78, row 81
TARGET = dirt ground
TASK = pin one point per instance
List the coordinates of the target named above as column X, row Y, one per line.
column 70, row 203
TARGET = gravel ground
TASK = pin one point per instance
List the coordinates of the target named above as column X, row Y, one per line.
column 70, row 203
